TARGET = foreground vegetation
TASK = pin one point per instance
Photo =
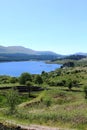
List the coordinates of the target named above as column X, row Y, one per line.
column 62, row 101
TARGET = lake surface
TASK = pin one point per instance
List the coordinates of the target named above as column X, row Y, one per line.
column 33, row 67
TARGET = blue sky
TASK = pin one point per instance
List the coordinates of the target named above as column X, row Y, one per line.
column 55, row 25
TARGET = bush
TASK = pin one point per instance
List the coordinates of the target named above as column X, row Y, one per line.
column 85, row 91
column 12, row 100
column 29, row 85
column 24, row 78
column 47, row 102
column 13, row 80
column 72, row 83
column 38, row 79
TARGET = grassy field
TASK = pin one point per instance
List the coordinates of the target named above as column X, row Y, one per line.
column 56, row 106
column 53, row 107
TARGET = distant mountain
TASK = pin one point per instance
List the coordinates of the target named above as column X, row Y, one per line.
column 75, row 57
column 81, row 53
column 47, row 53
column 20, row 49
column 19, row 53
column 16, row 49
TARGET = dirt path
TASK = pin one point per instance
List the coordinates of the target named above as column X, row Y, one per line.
column 32, row 127
column 37, row 127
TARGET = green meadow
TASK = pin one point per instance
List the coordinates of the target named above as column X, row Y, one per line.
column 62, row 101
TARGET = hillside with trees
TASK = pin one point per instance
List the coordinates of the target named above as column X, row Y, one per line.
column 57, row 98
column 19, row 53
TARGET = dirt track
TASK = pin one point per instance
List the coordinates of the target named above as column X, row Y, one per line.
column 32, row 127
column 37, row 127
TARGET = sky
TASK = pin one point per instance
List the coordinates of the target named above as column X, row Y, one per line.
column 54, row 25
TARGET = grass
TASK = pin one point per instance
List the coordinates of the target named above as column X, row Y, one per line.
column 75, row 113
column 71, row 113
column 9, row 85
column 69, row 107
column 56, row 106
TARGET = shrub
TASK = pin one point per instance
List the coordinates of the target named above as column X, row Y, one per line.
column 85, row 91
column 13, row 80
column 29, row 85
column 38, row 79
column 25, row 77
column 12, row 100
column 47, row 102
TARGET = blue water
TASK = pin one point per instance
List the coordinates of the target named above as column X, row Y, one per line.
column 33, row 67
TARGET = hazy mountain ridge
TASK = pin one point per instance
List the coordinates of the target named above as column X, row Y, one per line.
column 19, row 53
column 24, row 50
column 81, row 53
